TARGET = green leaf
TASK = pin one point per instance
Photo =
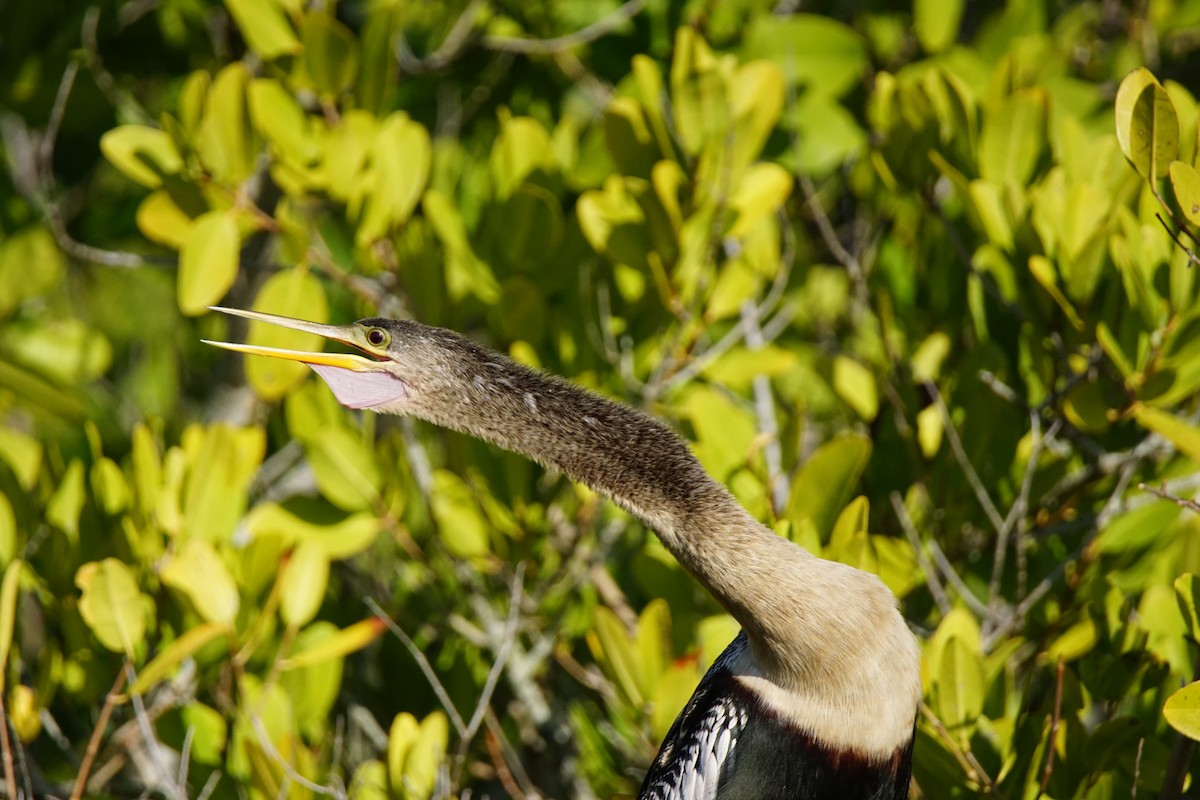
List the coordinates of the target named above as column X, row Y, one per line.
column 223, row 140
column 1182, row 711
column 1185, row 181
column 959, row 688
column 8, row 613
column 461, row 524
column 1153, row 133
column 111, row 605
column 760, row 193
column 280, row 119
column 401, row 737
column 345, row 468
column 264, row 26
column 198, row 571
column 142, row 153
column 66, row 504
column 611, row 643
column 23, row 455
column 401, row 156
column 827, row 481
column 936, row 23
column 1184, row 436
column 221, row 462
column 1187, row 592
column 208, row 262
column 465, row 272
column 162, row 220
column 32, row 244
column 339, row 538
column 826, row 56
column 1012, row 138
column 522, row 148
column 338, row 645
column 290, row 293
column 174, row 654
column 1128, row 93
column 426, row 756
column 855, row 384
column 1042, row 270
column 330, row 54
column 302, row 589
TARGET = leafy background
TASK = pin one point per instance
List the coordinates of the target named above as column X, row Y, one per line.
column 904, row 275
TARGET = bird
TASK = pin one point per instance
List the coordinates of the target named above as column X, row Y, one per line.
column 816, row 698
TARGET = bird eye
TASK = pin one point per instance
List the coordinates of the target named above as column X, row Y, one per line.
column 377, row 337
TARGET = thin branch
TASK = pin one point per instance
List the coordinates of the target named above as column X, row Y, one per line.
column 931, row 577
column 591, row 33
column 93, row 747
column 450, row 48
column 10, row 773
column 422, row 663
column 943, row 563
column 506, row 646
column 1046, row 773
column 960, row 455
column 1161, row 491
column 764, row 411
column 46, row 146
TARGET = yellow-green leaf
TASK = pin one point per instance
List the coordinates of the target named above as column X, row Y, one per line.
column 337, row 645
column 760, row 193
column 111, row 605
column 855, row 384
column 345, row 468
column 303, row 586
column 173, row 654
column 401, row 156
column 936, row 23
column 1182, row 711
column 425, row 757
column 1131, row 88
column 23, row 455
column 1187, row 592
column 401, row 737
column 142, row 153
column 264, row 26
column 460, row 522
column 959, row 685
column 198, row 571
column 1183, row 435
column 279, row 118
column 1185, row 181
column 8, row 613
column 290, row 293
column 208, row 262
column 330, row 53
column 1153, row 132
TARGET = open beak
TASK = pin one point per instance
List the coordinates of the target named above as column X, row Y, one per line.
column 346, row 334
column 356, row 381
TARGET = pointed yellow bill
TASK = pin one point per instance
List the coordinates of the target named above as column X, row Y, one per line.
column 346, row 334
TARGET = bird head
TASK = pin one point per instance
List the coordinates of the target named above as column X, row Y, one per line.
column 379, row 379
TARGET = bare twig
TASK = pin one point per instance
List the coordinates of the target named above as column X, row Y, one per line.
column 1165, row 494
column 590, row 33
column 422, row 663
column 764, row 411
column 965, row 758
column 502, row 654
column 93, row 747
column 948, row 571
column 10, row 774
column 1046, row 773
column 931, row 577
column 960, row 454
column 450, row 48
column 1137, row 768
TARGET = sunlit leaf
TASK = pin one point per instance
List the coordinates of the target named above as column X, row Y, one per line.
column 1182, row 711
column 303, row 588
column 936, row 23
column 198, row 571
column 264, row 26
column 174, row 654
column 338, row 645
column 290, row 293
column 208, row 261
column 330, row 53
column 1183, row 435
column 8, row 613
column 111, row 604
column 1185, row 181
column 143, row 153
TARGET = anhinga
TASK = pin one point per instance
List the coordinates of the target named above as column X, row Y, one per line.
column 815, row 698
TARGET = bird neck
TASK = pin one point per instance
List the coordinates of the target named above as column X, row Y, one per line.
column 632, row 458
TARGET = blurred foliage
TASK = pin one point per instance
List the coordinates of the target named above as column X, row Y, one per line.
column 917, row 282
